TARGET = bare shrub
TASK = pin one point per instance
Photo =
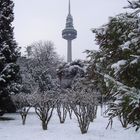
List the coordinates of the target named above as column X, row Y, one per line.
column 22, row 104
column 80, row 108
column 62, row 106
column 44, row 107
column 84, row 102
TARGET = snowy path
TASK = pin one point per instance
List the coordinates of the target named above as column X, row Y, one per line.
column 14, row 130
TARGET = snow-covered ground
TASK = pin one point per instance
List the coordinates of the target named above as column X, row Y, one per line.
column 14, row 130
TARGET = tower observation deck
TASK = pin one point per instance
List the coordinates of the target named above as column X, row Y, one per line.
column 69, row 33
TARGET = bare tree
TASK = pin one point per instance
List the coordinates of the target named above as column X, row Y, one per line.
column 39, row 71
column 80, row 109
column 69, row 109
column 42, row 57
column 84, row 102
column 45, row 104
column 22, row 104
column 62, row 105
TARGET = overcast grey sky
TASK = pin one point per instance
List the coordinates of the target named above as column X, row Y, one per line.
column 45, row 19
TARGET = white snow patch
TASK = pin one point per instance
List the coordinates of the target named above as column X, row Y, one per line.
column 117, row 66
column 125, row 45
column 3, row 80
column 135, row 61
column 14, row 130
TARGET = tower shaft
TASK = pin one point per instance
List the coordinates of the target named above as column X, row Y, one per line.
column 69, row 51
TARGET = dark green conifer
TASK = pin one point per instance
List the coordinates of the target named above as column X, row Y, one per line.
column 9, row 70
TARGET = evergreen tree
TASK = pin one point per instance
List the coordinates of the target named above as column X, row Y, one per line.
column 9, row 70
column 117, row 64
column 119, row 44
column 135, row 5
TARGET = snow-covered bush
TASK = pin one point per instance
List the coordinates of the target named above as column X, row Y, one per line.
column 44, row 106
column 63, row 105
column 87, row 87
column 22, row 104
column 83, row 100
column 79, row 94
column 67, row 72
column 80, row 104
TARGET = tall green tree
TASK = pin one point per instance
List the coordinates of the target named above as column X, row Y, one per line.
column 118, row 63
column 119, row 42
column 9, row 70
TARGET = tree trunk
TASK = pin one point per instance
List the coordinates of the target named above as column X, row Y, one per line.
column 44, row 126
column 23, row 120
column 62, row 113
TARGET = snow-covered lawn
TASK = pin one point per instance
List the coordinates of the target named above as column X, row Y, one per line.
column 14, row 130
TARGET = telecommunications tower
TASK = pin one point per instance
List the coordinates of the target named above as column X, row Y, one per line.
column 69, row 33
